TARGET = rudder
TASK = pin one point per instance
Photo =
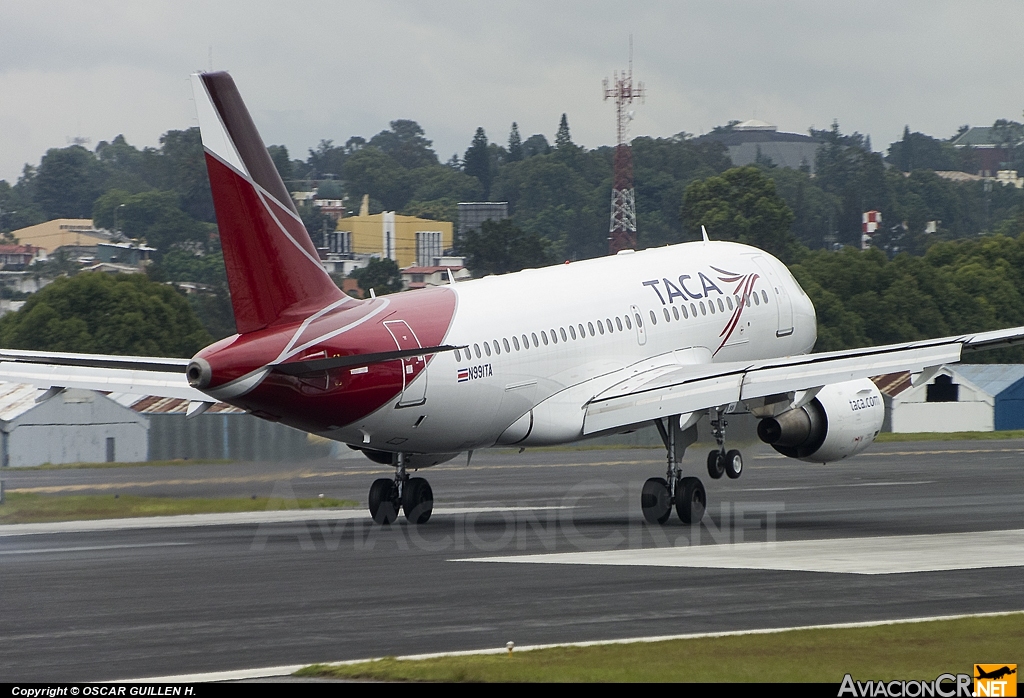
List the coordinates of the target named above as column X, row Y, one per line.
column 273, row 269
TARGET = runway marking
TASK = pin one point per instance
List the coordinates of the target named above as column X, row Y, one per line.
column 829, row 487
column 879, row 555
column 286, row 670
column 230, row 519
column 88, row 548
column 295, row 475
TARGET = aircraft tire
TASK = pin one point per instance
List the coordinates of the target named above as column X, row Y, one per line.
column 417, row 500
column 716, row 467
column 383, row 501
column 733, row 464
column 691, row 500
column 655, row 501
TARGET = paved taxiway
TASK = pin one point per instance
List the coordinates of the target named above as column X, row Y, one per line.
column 108, row 604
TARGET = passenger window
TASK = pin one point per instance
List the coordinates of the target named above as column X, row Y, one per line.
column 721, row 305
column 728, row 300
column 618, row 323
column 746, row 299
column 639, row 321
column 629, row 323
column 476, row 350
column 757, row 299
column 654, row 318
column 685, row 315
column 711, row 306
column 544, row 337
column 554, row 337
column 693, row 310
column 764, row 296
column 487, row 348
column 608, row 321
column 507, row 347
column 600, row 327
column 572, row 331
column 591, row 326
column 536, row 342
column 665, row 310
column 703, row 311
column 583, row 332
column 675, row 312
column 458, row 355
column 515, row 342
column 561, row 331
column 526, row 342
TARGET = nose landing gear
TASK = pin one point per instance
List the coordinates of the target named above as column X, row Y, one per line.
column 412, row 494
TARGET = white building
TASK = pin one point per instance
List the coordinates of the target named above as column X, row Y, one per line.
column 75, row 426
column 963, row 397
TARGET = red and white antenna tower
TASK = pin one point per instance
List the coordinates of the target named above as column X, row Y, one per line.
column 622, row 231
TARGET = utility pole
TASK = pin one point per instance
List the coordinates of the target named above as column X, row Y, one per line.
column 622, row 230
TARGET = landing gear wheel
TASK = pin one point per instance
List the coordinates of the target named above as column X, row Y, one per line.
column 417, row 500
column 691, row 500
column 716, row 468
column 733, row 464
column 655, row 501
column 383, row 501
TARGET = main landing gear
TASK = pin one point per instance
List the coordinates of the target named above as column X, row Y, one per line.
column 686, row 494
column 412, row 494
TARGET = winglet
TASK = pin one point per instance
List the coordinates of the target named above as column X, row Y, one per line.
column 704, row 232
column 274, row 271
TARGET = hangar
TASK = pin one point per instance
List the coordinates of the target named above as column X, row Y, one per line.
column 72, row 426
column 963, row 397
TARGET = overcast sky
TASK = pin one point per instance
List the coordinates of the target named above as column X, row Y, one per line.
column 334, row 69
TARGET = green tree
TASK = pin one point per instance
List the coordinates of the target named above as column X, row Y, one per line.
column 282, row 162
column 374, row 172
column 740, row 204
column 405, row 142
column 563, row 140
column 477, row 162
column 68, row 181
column 499, row 247
column 99, row 313
column 381, row 275
column 536, row 144
column 153, row 216
column 515, row 144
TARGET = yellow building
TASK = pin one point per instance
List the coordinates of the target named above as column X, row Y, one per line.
column 408, row 240
column 62, row 232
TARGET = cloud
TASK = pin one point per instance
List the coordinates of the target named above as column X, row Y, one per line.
column 332, row 70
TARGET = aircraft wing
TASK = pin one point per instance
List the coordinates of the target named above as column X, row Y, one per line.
column 142, row 375
column 682, row 389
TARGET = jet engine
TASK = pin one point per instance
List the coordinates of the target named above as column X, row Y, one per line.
column 841, row 421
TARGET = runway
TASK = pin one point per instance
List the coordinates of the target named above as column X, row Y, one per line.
column 124, row 601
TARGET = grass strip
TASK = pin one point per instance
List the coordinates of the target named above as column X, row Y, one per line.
column 888, row 436
column 26, row 507
column 140, row 464
column 888, row 652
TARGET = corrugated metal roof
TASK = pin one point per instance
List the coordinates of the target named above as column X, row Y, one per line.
column 992, row 378
column 164, row 405
column 16, row 399
column 892, row 384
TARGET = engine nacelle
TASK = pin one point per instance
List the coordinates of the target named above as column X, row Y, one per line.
column 841, row 421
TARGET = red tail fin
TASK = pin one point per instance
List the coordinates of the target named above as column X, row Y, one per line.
column 273, row 269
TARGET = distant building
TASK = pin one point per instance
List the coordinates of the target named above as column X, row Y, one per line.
column 62, row 232
column 17, row 257
column 749, row 140
column 961, row 397
column 993, row 154
column 472, row 214
column 123, row 253
column 408, row 240
column 421, row 277
column 75, row 426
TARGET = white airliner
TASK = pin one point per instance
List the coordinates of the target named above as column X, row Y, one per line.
column 546, row 356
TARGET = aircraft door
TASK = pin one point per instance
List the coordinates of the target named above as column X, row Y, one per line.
column 777, row 289
column 638, row 320
column 414, row 386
